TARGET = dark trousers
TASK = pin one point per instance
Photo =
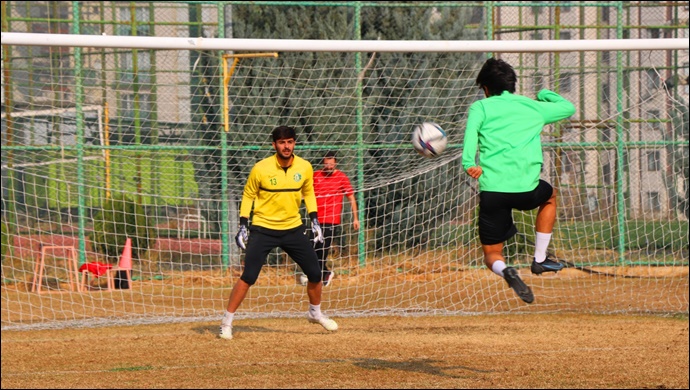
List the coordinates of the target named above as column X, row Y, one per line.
column 293, row 242
column 323, row 249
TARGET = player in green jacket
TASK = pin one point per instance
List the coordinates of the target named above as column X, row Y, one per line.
column 506, row 129
column 275, row 189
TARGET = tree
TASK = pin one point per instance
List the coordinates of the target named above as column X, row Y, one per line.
column 119, row 219
column 205, row 101
column 677, row 173
column 680, row 156
column 206, row 108
column 404, row 213
column 301, row 93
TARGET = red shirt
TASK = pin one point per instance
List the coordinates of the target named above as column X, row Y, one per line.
column 329, row 190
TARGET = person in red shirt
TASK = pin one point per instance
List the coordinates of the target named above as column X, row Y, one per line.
column 330, row 185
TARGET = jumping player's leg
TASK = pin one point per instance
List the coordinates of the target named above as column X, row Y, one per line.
column 546, row 218
column 493, row 258
column 495, row 226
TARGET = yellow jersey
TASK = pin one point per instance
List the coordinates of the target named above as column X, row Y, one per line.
column 276, row 193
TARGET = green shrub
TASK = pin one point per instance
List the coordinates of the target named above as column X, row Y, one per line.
column 119, row 219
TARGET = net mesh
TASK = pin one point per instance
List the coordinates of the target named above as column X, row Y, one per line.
column 146, row 156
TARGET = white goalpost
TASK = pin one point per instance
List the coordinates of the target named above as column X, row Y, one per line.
column 302, row 45
column 179, row 149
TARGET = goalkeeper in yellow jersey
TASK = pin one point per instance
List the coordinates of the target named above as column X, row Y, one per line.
column 506, row 129
column 275, row 188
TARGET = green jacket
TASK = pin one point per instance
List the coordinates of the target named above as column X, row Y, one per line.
column 507, row 128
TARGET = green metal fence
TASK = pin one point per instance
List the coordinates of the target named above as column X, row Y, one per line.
column 153, row 156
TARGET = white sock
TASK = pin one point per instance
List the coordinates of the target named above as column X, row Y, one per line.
column 315, row 311
column 227, row 319
column 543, row 240
column 498, row 267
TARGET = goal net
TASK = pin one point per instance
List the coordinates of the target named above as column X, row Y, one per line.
column 164, row 156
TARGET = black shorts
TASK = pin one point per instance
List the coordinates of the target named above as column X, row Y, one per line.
column 294, row 242
column 496, row 211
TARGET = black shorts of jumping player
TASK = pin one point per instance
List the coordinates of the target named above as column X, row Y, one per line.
column 496, row 211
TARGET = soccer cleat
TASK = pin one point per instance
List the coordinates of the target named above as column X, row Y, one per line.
column 326, row 322
column 328, row 276
column 547, row 266
column 225, row 332
column 511, row 276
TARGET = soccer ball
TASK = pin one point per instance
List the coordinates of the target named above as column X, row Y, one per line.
column 429, row 139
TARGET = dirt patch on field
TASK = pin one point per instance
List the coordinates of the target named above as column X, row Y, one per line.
column 487, row 351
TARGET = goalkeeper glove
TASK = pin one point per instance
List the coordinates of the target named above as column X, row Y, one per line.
column 316, row 228
column 243, row 235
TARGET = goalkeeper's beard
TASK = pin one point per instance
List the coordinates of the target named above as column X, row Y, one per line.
column 285, row 154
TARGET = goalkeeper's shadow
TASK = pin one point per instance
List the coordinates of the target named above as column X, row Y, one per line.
column 236, row 329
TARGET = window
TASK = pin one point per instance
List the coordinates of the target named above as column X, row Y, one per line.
column 565, row 35
column 653, row 120
column 684, row 72
column 143, row 28
column 90, row 29
column 566, row 162
column 606, row 134
column 605, row 14
column 653, row 201
column 538, row 81
column 90, row 13
column 143, row 58
column 606, row 57
column 653, row 161
column 654, row 33
column 571, row 161
column 92, row 77
column 143, row 66
column 606, row 97
column 653, row 79
column 592, row 202
column 607, row 173
column 127, row 107
column 565, row 81
column 652, row 83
